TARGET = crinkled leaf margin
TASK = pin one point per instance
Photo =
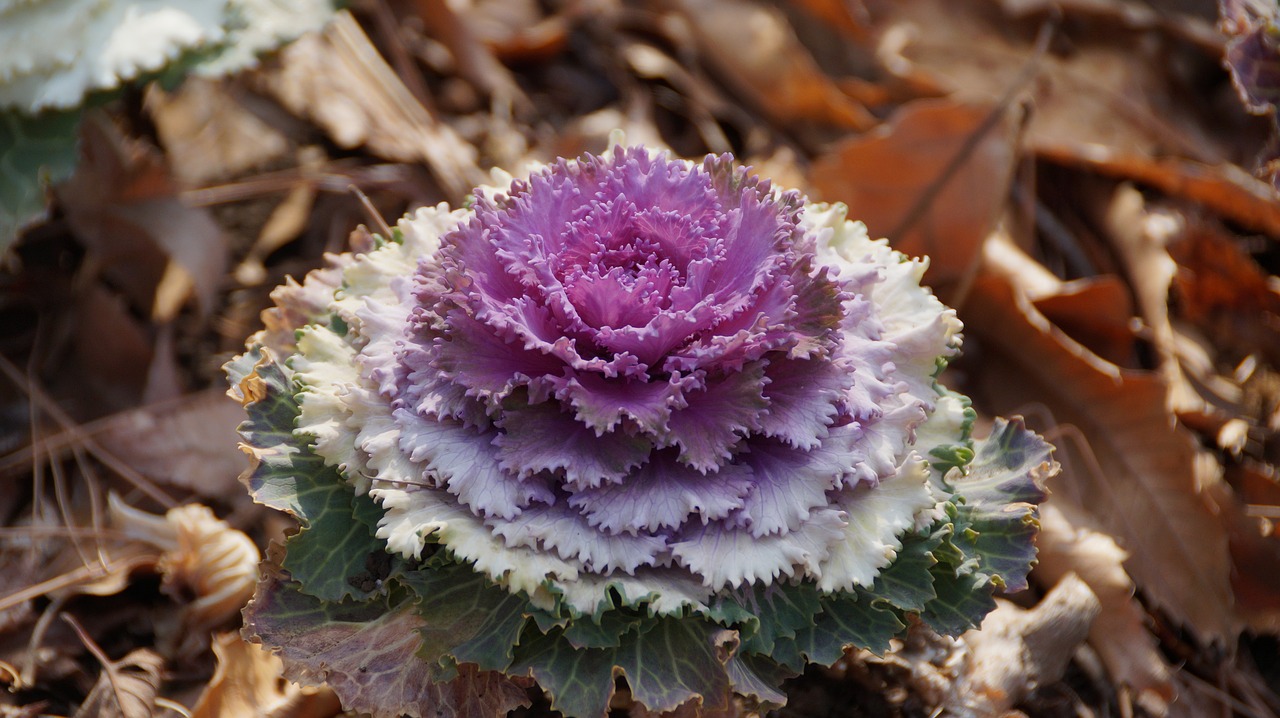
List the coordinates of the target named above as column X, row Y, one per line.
column 464, row 630
column 335, row 554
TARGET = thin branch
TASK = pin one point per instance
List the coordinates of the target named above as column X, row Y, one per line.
column 50, row 407
column 371, row 210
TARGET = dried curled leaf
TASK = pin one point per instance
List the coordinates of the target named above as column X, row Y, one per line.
column 1017, row 650
column 202, row 557
column 247, row 682
column 935, row 149
column 769, row 65
column 1119, row 634
column 126, row 688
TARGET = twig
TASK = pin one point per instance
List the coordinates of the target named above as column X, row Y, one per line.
column 1225, row 699
column 28, row 674
column 176, row 707
column 97, row 652
column 50, row 407
column 64, row 508
column 371, row 210
column 61, row 581
column 405, row 66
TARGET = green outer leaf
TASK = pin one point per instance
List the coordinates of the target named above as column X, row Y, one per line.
column 774, row 612
column 466, row 619
column 330, row 553
column 786, row 652
column 579, row 681
column 907, row 583
column 283, row 475
column 950, row 456
column 963, row 600
column 673, row 662
column 955, row 455
column 34, row 152
column 759, row 677
column 998, row 520
column 993, row 522
column 366, row 653
column 613, row 628
column 848, row 621
column 493, row 645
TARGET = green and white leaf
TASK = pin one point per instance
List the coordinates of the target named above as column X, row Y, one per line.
column 337, row 535
column 998, row 519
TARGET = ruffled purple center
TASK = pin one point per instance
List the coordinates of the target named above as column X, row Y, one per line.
column 643, row 343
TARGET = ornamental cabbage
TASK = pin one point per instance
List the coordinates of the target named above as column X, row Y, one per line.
column 631, row 416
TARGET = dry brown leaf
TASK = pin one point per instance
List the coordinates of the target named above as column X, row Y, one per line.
column 1001, row 254
column 1132, row 14
column 704, row 101
column 190, row 442
column 287, row 220
column 1092, row 310
column 126, row 688
column 247, row 683
column 471, row 32
column 107, row 574
column 123, row 205
column 1116, row 104
column 1067, row 545
column 840, row 15
column 1017, row 650
column 203, row 558
column 1115, row 90
column 66, row 573
column 1144, row 488
column 1227, row 295
column 1255, row 544
column 339, row 80
column 930, row 170
column 1223, row 189
column 764, row 61
column 65, row 546
column 207, row 135
column 31, row 710
column 518, row 31
column 110, row 350
column 1140, row 238
column 1095, row 312
column 1199, row 358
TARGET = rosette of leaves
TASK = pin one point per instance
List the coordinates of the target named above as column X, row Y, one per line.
column 631, row 417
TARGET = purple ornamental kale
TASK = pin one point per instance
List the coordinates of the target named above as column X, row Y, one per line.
column 635, row 386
